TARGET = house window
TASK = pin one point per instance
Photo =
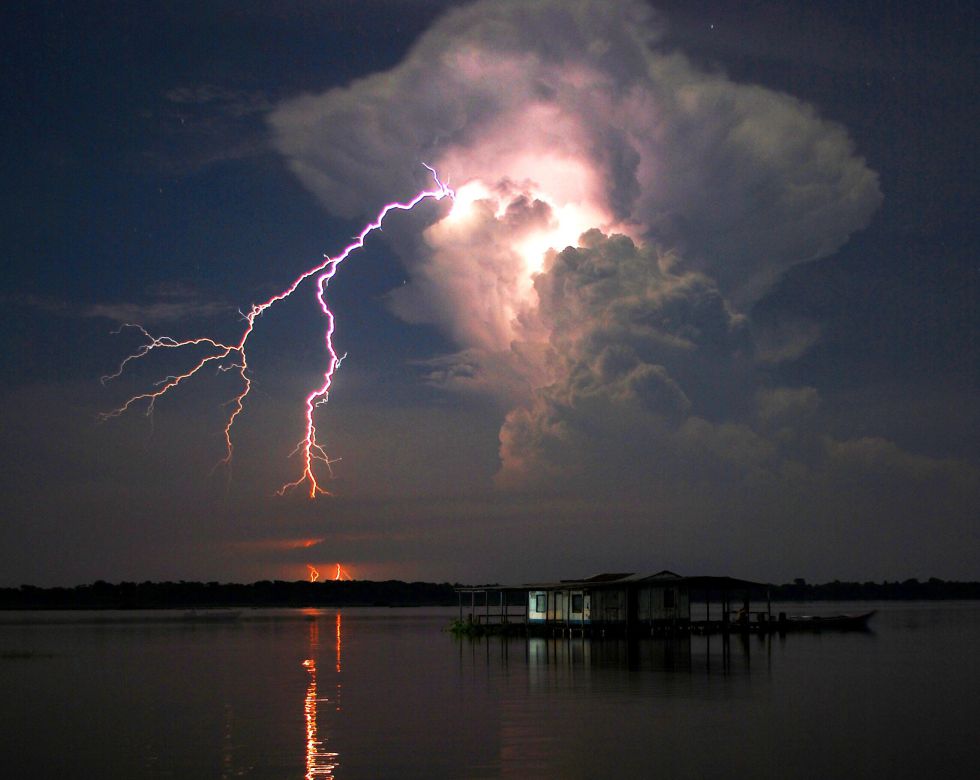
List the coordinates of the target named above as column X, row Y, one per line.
column 541, row 602
column 577, row 602
column 669, row 598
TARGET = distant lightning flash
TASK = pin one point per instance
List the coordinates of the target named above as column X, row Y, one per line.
column 309, row 447
column 341, row 573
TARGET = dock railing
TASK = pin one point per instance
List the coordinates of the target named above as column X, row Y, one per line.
column 492, row 606
column 495, row 616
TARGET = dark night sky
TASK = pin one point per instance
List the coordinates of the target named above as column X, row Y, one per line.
column 829, row 429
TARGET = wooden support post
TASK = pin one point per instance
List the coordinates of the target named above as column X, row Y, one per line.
column 630, row 609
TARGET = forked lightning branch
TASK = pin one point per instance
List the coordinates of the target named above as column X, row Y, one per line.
column 233, row 356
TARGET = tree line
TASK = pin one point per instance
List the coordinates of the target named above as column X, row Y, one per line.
column 395, row 593
column 905, row 590
column 202, row 595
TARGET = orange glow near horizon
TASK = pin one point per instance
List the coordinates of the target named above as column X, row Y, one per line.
column 329, row 572
column 263, row 545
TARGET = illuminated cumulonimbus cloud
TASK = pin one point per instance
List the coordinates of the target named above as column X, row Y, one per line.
column 555, row 119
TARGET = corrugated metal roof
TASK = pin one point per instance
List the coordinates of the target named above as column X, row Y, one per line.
column 614, row 579
column 665, row 577
column 606, row 577
column 721, row 583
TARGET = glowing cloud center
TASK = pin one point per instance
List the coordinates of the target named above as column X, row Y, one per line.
column 490, row 246
column 567, row 221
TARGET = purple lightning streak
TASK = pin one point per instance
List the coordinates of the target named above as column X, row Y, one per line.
column 310, row 450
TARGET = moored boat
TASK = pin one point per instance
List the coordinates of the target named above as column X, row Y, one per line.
column 856, row 622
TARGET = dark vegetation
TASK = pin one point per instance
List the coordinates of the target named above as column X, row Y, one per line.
column 194, row 595
column 393, row 593
column 907, row 590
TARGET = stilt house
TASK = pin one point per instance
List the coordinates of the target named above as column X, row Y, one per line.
column 619, row 603
column 633, row 603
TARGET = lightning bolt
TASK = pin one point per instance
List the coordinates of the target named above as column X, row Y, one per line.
column 232, row 357
column 314, row 574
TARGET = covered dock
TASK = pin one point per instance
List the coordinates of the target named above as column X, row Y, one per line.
column 492, row 608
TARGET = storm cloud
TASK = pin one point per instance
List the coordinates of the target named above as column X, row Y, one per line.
column 681, row 196
column 578, row 99
column 619, row 211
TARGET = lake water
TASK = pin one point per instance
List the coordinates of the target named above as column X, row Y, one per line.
column 388, row 693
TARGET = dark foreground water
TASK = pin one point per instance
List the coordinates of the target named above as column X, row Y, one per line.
column 385, row 693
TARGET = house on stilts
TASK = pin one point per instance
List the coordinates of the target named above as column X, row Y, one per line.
column 619, row 604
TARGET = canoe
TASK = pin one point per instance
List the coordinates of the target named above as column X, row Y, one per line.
column 829, row 622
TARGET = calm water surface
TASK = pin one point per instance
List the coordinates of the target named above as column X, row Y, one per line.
column 385, row 693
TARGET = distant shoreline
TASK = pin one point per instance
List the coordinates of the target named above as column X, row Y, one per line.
column 214, row 595
column 396, row 593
